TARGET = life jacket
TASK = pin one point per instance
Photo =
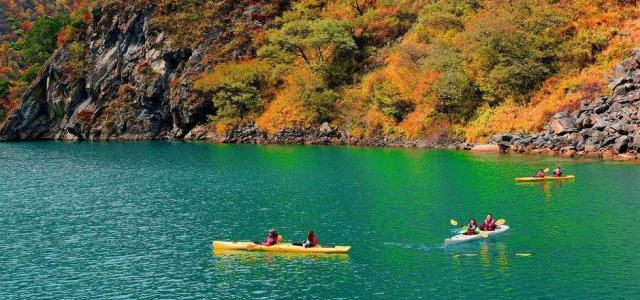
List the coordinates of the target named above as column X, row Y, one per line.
column 471, row 230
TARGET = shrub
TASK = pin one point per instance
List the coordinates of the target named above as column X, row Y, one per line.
column 388, row 99
column 236, row 88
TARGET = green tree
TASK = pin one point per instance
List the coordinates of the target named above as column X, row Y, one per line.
column 390, row 101
column 456, row 94
column 37, row 45
column 318, row 43
column 235, row 88
column 5, row 85
column 513, row 50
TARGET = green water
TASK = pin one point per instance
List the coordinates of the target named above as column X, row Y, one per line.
column 136, row 220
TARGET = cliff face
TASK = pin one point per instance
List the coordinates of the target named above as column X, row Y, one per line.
column 606, row 127
column 120, row 80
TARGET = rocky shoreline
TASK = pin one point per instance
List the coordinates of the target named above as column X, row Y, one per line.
column 324, row 135
column 607, row 127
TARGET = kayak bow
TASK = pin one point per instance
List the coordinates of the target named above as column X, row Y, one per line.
column 280, row 247
column 547, row 178
column 462, row 238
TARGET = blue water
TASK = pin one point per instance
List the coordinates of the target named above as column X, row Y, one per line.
column 136, row 220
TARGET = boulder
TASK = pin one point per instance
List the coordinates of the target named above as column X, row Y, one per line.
column 486, row 148
column 635, row 142
column 615, row 107
column 626, row 157
column 607, row 154
column 599, row 122
column 621, row 144
column 584, row 121
column 563, row 125
column 325, row 128
column 617, row 82
column 601, row 108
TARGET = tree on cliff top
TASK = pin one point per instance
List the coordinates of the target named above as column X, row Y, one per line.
column 319, row 44
column 40, row 41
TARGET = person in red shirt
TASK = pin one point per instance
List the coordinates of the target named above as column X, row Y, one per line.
column 311, row 241
column 489, row 224
column 272, row 239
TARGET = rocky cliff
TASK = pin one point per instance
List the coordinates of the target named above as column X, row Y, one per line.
column 605, row 127
column 122, row 79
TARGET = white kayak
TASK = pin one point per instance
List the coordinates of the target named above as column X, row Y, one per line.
column 462, row 238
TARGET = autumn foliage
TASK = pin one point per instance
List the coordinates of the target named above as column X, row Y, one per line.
column 401, row 68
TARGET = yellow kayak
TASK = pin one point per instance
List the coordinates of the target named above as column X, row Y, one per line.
column 547, row 178
column 279, row 247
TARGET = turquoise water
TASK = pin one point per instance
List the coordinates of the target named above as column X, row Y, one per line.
column 136, row 220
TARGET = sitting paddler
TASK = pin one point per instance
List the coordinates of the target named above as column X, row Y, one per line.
column 557, row 172
column 540, row 174
column 311, row 241
column 489, row 224
column 272, row 238
column 472, row 228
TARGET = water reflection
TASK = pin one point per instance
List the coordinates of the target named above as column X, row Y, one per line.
column 252, row 257
column 547, row 187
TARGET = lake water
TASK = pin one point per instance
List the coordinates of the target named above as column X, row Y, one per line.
column 136, row 220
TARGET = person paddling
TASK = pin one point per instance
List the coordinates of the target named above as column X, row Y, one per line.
column 311, row 241
column 540, row 174
column 272, row 238
column 472, row 228
column 489, row 224
column 557, row 172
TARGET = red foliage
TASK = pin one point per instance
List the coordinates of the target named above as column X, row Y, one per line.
column 64, row 36
column 84, row 116
column 26, row 25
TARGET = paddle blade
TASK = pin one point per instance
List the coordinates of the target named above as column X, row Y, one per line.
column 453, row 222
column 546, row 170
column 501, row 222
column 484, row 234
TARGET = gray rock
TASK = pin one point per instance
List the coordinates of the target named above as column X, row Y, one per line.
column 584, row 121
column 621, row 144
column 617, row 82
column 599, row 123
column 601, row 108
column 635, row 142
column 563, row 125
column 325, row 128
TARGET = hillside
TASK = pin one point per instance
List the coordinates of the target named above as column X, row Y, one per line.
column 322, row 71
column 28, row 36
